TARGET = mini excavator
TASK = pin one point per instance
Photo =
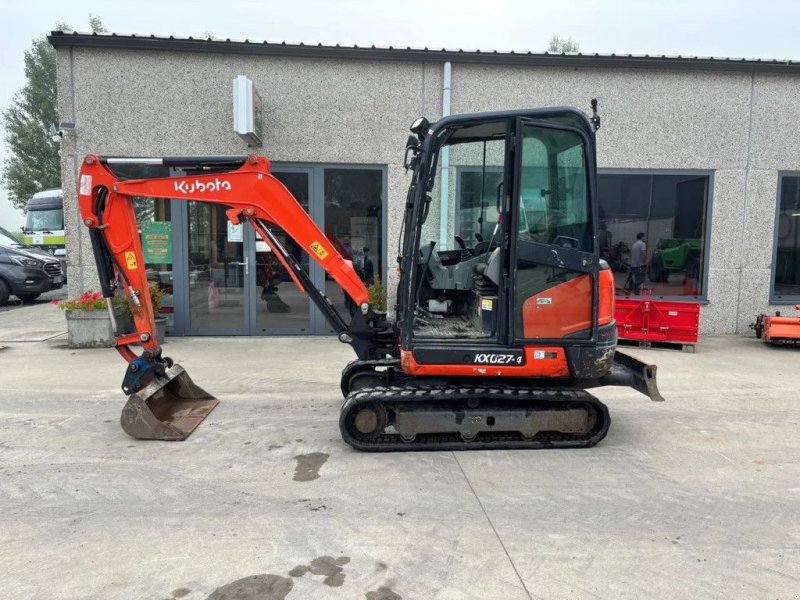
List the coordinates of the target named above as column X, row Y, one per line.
column 504, row 313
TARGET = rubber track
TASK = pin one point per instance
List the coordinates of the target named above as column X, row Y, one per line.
column 357, row 365
column 450, row 395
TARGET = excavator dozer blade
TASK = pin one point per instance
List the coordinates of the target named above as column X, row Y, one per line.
column 629, row 371
column 169, row 408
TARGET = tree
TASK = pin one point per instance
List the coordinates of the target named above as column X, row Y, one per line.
column 96, row 24
column 558, row 44
column 33, row 161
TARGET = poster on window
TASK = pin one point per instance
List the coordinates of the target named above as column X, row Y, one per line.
column 235, row 232
column 157, row 242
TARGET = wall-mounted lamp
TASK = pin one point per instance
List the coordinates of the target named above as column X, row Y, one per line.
column 58, row 134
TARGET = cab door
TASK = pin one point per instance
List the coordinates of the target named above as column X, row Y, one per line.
column 555, row 266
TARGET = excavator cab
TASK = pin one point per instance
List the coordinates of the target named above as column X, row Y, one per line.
column 507, row 233
column 502, row 256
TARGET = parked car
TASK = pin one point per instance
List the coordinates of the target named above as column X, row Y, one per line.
column 25, row 272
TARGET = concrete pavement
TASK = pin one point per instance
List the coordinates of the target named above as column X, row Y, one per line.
column 697, row 497
column 35, row 322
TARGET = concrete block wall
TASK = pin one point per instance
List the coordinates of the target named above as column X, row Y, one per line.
column 161, row 103
column 738, row 125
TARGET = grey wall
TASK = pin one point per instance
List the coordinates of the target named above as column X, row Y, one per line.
column 158, row 103
column 737, row 124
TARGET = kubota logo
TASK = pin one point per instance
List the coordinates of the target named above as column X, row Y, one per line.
column 198, row 186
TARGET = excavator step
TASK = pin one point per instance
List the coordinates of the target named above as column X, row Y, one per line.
column 467, row 417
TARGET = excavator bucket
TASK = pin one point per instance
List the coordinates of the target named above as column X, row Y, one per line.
column 169, row 408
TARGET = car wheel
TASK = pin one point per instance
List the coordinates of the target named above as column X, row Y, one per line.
column 28, row 298
column 4, row 293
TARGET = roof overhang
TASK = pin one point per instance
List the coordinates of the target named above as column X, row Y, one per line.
column 575, row 60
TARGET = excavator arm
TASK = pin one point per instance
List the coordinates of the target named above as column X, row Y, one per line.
column 252, row 195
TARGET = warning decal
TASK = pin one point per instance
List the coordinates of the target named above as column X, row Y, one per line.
column 130, row 259
column 85, row 187
column 317, row 249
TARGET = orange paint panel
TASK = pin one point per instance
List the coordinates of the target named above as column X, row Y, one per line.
column 786, row 328
column 560, row 310
column 540, row 361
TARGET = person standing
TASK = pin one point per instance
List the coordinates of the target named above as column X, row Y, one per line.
column 639, row 262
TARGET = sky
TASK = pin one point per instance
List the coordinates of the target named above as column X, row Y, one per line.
column 735, row 28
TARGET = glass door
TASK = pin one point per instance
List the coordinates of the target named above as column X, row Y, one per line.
column 352, row 207
column 234, row 285
column 279, row 307
column 554, row 286
column 218, row 272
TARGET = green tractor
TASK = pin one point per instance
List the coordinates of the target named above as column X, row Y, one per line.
column 675, row 255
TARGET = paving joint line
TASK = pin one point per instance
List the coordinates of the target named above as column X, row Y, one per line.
column 494, row 529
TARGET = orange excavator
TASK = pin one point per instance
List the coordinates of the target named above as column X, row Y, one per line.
column 504, row 315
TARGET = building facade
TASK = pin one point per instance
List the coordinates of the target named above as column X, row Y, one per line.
column 700, row 155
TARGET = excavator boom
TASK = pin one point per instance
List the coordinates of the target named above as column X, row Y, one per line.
column 164, row 403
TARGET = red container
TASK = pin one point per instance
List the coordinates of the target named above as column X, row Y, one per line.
column 650, row 320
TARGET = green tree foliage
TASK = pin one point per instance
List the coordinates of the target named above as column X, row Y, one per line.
column 33, row 161
column 558, row 44
column 96, row 24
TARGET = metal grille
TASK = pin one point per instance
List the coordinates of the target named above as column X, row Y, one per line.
column 53, row 268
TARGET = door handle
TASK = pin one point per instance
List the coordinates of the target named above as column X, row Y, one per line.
column 244, row 264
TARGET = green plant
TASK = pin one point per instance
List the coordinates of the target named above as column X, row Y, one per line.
column 377, row 295
column 89, row 301
column 123, row 308
column 156, row 296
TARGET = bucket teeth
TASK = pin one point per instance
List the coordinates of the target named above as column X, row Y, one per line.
column 169, row 408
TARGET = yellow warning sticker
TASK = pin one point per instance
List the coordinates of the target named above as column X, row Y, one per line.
column 317, row 249
column 130, row 259
column 486, row 304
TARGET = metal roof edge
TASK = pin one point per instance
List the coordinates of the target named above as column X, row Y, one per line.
column 619, row 61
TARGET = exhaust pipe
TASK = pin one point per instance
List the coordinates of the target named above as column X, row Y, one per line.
column 169, row 408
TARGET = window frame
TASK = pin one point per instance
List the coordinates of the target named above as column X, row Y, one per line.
column 774, row 298
column 701, row 298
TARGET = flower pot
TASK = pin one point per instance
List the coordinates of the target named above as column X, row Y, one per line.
column 89, row 329
column 161, row 330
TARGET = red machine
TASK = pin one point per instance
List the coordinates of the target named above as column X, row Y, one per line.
column 778, row 329
column 496, row 339
column 648, row 320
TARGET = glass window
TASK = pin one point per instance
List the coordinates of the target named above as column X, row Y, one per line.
column 456, row 291
column 353, row 204
column 786, row 268
column 217, row 270
column 45, row 220
column 280, row 304
column 553, row 199
column 466, row 188
column 155, row 233
column 652, row 232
